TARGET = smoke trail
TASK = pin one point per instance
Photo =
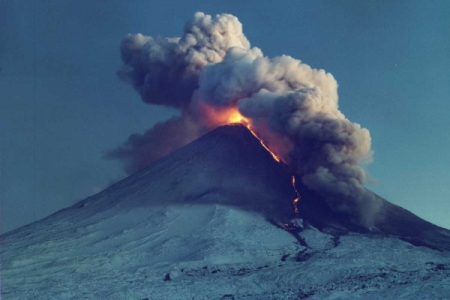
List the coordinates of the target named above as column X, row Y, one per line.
column 211, row 72
column 140, row 150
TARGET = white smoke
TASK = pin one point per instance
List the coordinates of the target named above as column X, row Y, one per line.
column 291, row 106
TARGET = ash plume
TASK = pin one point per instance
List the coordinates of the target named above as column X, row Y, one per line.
column 211, row 72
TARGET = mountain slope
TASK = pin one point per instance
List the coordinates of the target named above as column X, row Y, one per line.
column 392, row 220
column 203, row 223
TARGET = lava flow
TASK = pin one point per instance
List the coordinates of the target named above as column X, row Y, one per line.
column 236, row 117
column 298, row 196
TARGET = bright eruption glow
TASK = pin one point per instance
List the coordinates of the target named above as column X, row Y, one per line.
column 234, row 116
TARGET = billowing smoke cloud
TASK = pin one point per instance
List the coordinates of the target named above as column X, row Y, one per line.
column 290, row 98
column 166, row 70
column 211, row 72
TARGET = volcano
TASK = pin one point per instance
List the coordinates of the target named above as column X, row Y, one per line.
column 215, row 220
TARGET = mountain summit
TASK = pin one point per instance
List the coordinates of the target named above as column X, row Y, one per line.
column 216, row 220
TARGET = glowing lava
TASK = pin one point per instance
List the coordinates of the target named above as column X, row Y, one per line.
column 289, row 226
column 265, row 147
column 232, row 115
column 236, row 117
column 298, row 195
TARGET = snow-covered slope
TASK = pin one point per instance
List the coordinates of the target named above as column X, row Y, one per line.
column 392, row 220
column 205, row 223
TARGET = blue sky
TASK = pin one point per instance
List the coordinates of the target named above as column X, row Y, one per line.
column 62, row 106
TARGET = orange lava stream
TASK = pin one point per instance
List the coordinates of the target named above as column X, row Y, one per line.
column 298, row 195
column 236, row 117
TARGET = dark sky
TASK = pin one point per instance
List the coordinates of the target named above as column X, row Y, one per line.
column 62, row 106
